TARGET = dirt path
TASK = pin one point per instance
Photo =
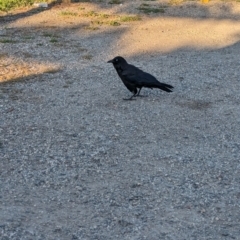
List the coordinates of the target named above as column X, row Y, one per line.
column 78, row 162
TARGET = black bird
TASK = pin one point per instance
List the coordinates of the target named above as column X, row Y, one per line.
column 134, row 78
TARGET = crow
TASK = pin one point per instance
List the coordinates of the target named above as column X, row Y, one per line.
column 134, row 78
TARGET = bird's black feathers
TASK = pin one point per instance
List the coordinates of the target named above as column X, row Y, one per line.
column 134, row 78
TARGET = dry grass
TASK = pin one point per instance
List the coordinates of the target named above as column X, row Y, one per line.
column 15, row 68
column 87, row 57
column 99, row 18
column 176, row 2
column 69, row 13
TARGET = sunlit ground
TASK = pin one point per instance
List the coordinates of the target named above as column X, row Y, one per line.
column 170, row 34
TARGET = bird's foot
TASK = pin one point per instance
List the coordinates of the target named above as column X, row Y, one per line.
column 129, row 99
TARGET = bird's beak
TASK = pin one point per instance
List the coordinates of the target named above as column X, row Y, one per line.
column 110, row 61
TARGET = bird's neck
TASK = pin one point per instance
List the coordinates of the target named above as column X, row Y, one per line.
column 118, row 69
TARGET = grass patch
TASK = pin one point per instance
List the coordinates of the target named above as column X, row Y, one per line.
column 147, row 9
column 92, row 28
column 68, row 13
column 27, row 37
column 97, row 22
column 107, row 19
column 91, row 14
column 115, row 2
column 6, row 40
column 104, row 15
column 53, row 40
column 46, row 34
column 114, row 23
column 99, row 15
column 130, row 18
column 87, row 57
column 6, row 5
column 176, row 2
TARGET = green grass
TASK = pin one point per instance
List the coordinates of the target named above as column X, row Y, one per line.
column 68, row 13
column 130, row 18
column 148, row 9
column 91, row 14
column 94, row 14
column 53, row 40
column 53, row 37
column 114, row 23
column 97, row 22
column 7, row 5
column 115, row 2
column 27, row 37
column 46, row 34
column 104, row 15
column 102, row 19
column 6, row 40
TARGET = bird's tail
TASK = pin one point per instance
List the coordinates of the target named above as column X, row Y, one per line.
column 165, row 87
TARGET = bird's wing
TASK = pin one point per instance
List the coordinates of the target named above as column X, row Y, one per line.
column 132, row 74
column 137, row 76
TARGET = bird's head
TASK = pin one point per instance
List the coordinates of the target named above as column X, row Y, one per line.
column 117, row 61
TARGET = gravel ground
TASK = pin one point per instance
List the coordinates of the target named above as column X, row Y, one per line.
column 78, row 162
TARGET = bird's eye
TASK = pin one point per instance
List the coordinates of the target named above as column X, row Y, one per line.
column 116, row 60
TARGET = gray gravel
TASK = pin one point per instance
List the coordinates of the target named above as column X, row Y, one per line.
column 78, row 162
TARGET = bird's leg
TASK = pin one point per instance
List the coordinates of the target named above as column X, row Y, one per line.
column 138, row 94
column 131, row 98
